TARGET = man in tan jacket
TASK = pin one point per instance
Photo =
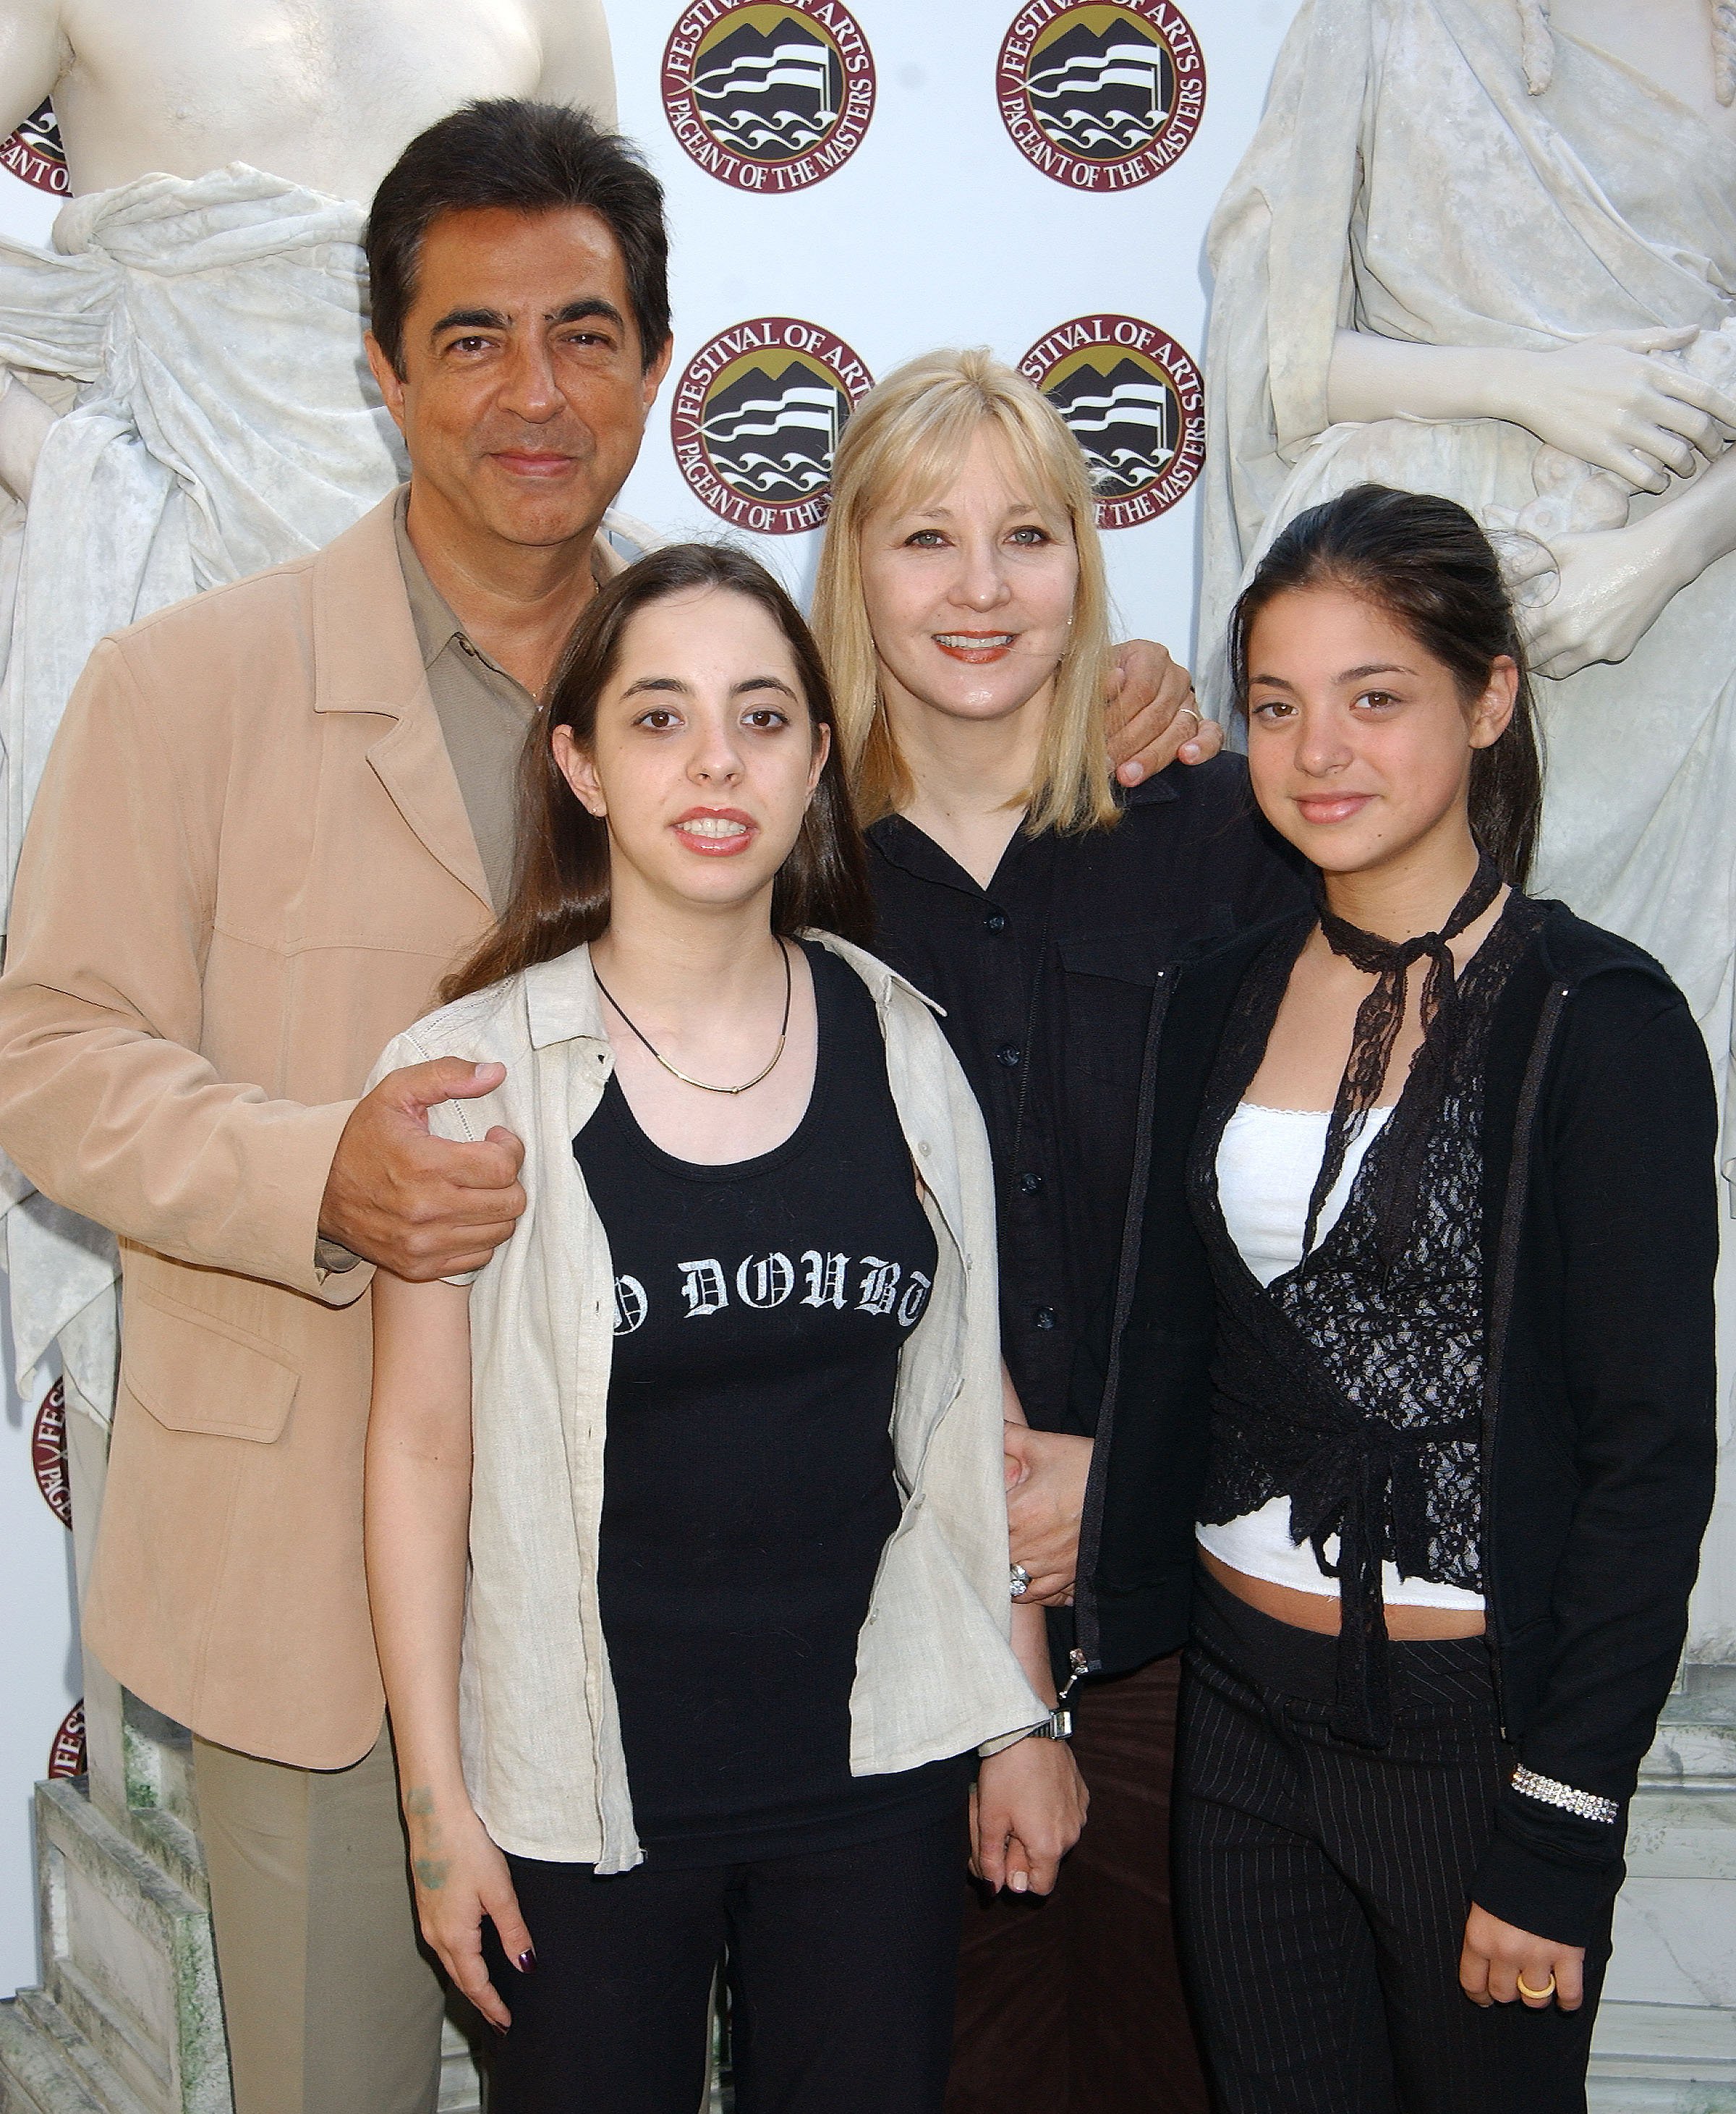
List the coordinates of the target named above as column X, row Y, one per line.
column 273, row 818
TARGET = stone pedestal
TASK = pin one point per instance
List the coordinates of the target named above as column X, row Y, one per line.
column 1665, row 2042
column 129, row 2019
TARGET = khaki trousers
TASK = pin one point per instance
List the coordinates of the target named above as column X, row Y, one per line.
column 331, row 2004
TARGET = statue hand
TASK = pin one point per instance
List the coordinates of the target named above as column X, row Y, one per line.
column 1612, row 590
column 1610, row 401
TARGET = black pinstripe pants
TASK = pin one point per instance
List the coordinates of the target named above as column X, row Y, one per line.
column 1322, row 1887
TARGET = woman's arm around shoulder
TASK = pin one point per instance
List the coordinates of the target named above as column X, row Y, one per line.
column 418, row 1512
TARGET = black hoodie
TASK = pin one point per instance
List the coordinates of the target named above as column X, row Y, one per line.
column 1599, row 1239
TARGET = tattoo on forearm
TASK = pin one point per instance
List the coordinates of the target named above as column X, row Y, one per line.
column 429, row 1867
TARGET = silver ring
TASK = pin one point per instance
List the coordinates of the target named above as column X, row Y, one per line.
column 1194, row 713
column 1018, row 1581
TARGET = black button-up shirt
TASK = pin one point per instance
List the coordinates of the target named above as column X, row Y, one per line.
column 1047, row 978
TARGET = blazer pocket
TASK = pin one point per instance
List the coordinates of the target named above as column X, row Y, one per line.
column 194, row 1372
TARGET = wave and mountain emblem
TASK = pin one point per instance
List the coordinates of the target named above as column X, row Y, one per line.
column 770, row 98
column 34, row 153
column 1102, row 98
column 1126, row 422
column 1134, row 401
column 756, row 420
column 774, row 437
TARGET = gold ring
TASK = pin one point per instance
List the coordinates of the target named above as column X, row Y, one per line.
column 1537, row 1996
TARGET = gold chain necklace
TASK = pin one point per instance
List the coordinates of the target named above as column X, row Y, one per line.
column 704, row 1084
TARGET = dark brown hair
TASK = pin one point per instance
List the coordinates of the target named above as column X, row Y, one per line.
column 561, row 888
column 528, row 158
column 1424, row 562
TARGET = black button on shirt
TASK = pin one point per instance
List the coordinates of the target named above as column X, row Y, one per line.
column 1047, row 978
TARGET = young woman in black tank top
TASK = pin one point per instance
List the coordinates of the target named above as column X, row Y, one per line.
column 760, row 1310
column 686, row 1518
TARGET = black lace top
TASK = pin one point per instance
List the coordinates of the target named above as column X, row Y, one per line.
column 1352, row 1384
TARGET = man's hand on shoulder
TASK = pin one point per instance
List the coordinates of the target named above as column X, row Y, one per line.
column 420, row 1205
column 1154, row 718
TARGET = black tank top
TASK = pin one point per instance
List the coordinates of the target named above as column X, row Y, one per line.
column 760, row 1308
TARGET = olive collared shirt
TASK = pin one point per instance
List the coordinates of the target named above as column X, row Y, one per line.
column 484, row 712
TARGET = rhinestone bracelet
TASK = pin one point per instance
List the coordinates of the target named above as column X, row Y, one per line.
column 1586, row 1804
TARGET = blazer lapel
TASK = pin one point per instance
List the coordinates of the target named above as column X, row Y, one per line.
column 366, row 660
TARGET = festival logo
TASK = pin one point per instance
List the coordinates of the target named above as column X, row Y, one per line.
column 67, row 1756
column 34, row 153
column 1101, row 98
column 48, row 1453
column 768, row 98
column 756, row 418
column 1135, row 403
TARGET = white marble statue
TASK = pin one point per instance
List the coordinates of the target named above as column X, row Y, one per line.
column 198, row 322
column 1488, row 248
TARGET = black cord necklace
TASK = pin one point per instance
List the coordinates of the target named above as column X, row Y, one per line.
column 705, row 1085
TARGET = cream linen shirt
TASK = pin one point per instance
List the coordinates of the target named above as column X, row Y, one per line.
column 935, row 1674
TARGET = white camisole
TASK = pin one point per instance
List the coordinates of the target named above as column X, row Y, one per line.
column 1267, row 1161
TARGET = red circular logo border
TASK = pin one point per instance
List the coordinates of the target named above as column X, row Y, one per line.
column 797, row 171
column 1178, row 367
column 67, row 1756
column 687, row 409
column 1074, row 171
column 48, row 1453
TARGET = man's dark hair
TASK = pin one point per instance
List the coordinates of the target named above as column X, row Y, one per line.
column 528, row 157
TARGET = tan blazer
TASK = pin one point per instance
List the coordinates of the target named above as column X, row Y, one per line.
column 248, row 867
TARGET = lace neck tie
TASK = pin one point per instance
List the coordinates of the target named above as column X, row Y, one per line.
column 1382, row 1013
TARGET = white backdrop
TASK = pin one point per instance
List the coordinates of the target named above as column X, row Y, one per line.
column 811, row 253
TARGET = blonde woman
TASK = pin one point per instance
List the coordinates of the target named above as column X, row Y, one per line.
column 962, row 610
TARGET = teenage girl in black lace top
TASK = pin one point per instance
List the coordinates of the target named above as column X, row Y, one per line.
column 1417, row 1344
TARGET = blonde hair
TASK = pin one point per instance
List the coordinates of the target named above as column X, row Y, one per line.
column 909, row 437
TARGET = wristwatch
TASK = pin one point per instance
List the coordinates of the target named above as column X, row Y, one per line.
column 1059, row 1725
